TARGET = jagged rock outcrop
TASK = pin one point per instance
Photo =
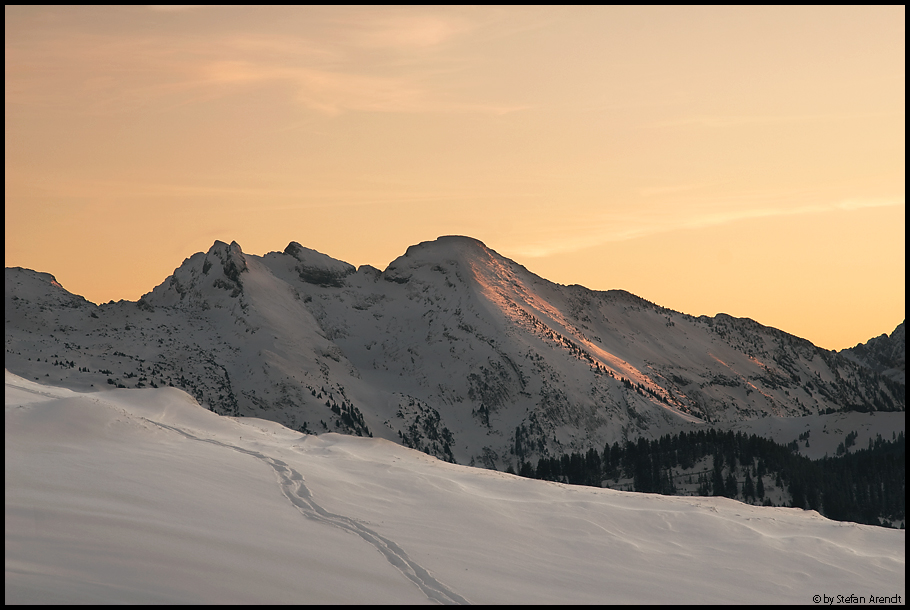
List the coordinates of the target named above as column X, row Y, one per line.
column 885, row 354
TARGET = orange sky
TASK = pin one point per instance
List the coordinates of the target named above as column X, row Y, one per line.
column 740, row 160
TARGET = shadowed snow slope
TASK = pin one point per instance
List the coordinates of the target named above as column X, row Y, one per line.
column 144, row 496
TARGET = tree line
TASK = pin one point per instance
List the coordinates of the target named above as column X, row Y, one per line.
column 861, row 485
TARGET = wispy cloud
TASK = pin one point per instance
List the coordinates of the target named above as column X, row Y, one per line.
column 858, row 204
column 356, row 62
column 381, row 28
column 623, row 226
column 768, row 119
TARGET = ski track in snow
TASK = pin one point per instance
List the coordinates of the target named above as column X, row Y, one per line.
column 293, row 486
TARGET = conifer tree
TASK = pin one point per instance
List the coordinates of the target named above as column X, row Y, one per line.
column 748, row 487
column 717, row 482
column 730, row 486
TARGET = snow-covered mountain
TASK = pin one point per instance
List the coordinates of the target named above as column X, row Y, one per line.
column 885, row 354
column 142, row 496
column 453, row 350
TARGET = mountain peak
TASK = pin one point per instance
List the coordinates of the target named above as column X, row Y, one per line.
column 232, row 259
column 29, row 284
column 448, row 244
column 459, row 239
column 38, row 276
column 441, row 252
column 221, row 247
column 314, row 267
column 886, row 354
column 441, row 249
column 293, row 249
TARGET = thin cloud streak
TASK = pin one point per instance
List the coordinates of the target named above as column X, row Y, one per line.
column 615, row 227
column 333, row 92
column 736, row 121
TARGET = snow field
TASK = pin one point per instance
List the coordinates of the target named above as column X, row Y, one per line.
column 143, row 496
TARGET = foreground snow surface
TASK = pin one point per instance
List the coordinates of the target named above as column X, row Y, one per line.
column 143, row 496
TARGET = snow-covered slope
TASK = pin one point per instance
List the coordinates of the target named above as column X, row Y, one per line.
column 453, row 349
column 143, row 496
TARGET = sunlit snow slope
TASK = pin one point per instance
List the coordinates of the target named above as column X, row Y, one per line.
column 144, row 496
